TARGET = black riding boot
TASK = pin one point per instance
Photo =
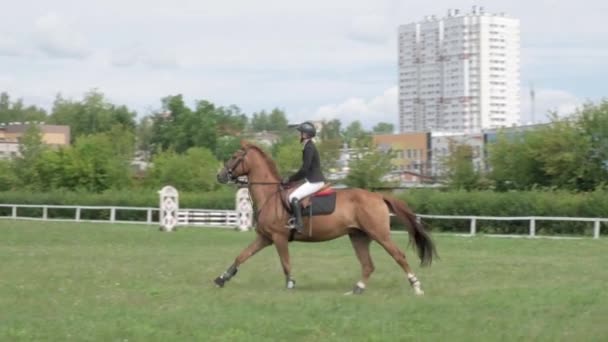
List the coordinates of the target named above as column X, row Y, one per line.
column 297, row 213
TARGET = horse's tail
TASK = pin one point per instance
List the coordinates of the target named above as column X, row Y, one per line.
column 423, row 242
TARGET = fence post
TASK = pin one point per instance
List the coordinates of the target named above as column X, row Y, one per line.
column 244, row 210
column 45, row 213
column 596, row 229
column 77, row 213
column 149, row 218
column 112, row 214
column 168, row 216
column 14, row 211
column 532, row 227
column 473, row 226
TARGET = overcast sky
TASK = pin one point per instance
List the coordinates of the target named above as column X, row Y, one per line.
column 315, row 59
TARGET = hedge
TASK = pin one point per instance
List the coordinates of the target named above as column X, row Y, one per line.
column 422, row 201
column 519, row 203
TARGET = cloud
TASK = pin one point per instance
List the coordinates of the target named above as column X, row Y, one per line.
column 381, row 108
column 371, row 29
column 56, row 39
column 138, row 55
column 9, row 46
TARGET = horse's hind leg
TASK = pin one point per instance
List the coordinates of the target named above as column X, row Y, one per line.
column 258, row 244
column 392, row 249
column 375, row 221
column 361, row 241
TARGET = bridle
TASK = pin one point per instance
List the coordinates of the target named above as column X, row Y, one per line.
column 241, row 161
column 236, row 164
column 236, row 180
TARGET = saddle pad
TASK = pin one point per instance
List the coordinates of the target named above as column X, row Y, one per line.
column 324, row 192
column 321, row 205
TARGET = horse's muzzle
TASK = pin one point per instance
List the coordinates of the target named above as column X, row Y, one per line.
column 222, row 177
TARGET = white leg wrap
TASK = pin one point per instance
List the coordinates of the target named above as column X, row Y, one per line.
column 360, row 284
column 415, row 284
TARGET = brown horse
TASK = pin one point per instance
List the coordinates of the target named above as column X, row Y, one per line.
column 361, row 214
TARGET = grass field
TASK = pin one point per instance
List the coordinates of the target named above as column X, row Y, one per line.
column 96, row 282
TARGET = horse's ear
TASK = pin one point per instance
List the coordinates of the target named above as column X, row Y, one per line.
column 244, row 143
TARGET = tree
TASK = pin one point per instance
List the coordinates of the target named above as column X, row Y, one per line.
column 329, row 152
column 16, row 111
column 331, row 130
column 94, row 114
column 460, row 171
column 552, row 156
column 144, row 135
column 226, row 146
column 260, row 122
column 230, row 120
column 31, row 148
column 8, row 179
column 369, row 168
column 355, row 136
column 96, row 163
column 277, row 121
column 194, row 170
column 512, row 163
column 289, row 156
column 593, row 122
column 383, row 128
column 178, row 127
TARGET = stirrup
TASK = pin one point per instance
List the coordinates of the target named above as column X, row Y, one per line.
column 291, row 223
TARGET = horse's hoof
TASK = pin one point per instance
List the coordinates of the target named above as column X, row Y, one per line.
column 291, row 284
column 219, row 282
column 357, row 290
column 418, row 292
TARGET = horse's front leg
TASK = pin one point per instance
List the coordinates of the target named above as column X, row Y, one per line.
column 258, row 244
column 282, row 245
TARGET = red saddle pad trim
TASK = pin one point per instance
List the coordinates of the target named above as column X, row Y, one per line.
column 325, row 192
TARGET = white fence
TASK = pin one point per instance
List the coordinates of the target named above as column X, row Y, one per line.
column 204, row 217
column 532, row 221
column 78, row 210
column 230, row 218
column 190, row 217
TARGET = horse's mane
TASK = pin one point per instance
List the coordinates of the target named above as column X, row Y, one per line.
column 272, row 166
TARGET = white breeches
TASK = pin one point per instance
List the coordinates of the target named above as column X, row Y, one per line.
column 305, row 190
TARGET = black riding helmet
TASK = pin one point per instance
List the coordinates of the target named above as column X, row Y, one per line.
column 308, row 128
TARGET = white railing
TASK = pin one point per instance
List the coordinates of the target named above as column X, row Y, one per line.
column 532, row 219
column 204, row 217
column 230, row 218
column 78, row 210
column 186, row 217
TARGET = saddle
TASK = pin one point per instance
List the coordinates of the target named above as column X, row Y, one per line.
column 322, row 202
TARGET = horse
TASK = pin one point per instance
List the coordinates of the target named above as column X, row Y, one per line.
column 362, row 215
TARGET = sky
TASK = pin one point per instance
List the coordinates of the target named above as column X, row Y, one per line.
column 314, row 59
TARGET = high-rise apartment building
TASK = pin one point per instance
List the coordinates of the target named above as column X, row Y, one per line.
column 459, row 73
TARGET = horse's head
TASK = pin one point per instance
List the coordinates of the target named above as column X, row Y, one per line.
column 235, row 167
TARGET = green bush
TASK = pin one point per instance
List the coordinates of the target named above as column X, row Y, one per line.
column 424, row 201
column 517, row 203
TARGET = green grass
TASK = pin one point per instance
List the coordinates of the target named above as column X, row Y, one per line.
column 96, row 282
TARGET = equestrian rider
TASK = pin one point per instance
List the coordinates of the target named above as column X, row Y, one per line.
column 310, row 172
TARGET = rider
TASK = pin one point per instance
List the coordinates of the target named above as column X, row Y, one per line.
column 310, row 172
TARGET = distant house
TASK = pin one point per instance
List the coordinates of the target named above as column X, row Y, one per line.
column 411, row 152
column 443, row 144
column 11, row 134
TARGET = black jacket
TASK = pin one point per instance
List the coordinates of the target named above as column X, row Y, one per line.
column 311, row 165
